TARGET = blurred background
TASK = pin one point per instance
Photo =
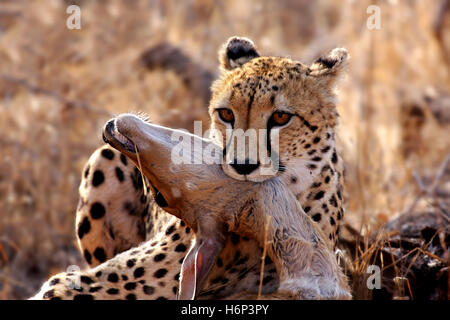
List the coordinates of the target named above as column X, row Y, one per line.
column 59, row 86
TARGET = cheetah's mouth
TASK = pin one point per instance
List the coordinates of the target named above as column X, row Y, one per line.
column 113, row 136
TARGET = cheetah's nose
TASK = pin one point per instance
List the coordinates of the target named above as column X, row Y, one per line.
column 244, row 168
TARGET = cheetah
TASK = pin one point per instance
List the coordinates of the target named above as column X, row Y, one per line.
column 135, row 249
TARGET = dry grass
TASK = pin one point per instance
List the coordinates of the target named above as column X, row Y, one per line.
column 58, row 87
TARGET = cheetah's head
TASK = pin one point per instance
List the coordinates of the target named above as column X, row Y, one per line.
column 266, row 110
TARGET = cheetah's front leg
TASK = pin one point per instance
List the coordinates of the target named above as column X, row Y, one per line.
column 148, row 271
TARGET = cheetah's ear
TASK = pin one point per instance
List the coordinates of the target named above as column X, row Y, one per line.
column 329, row 66
column 237, row 51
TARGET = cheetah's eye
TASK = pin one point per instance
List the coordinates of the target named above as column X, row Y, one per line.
column 226, row 115
column 280, row 118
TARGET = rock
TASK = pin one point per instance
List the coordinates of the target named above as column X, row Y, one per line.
column 417, row 243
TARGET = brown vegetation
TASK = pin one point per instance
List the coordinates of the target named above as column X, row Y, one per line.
column 59, row 86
